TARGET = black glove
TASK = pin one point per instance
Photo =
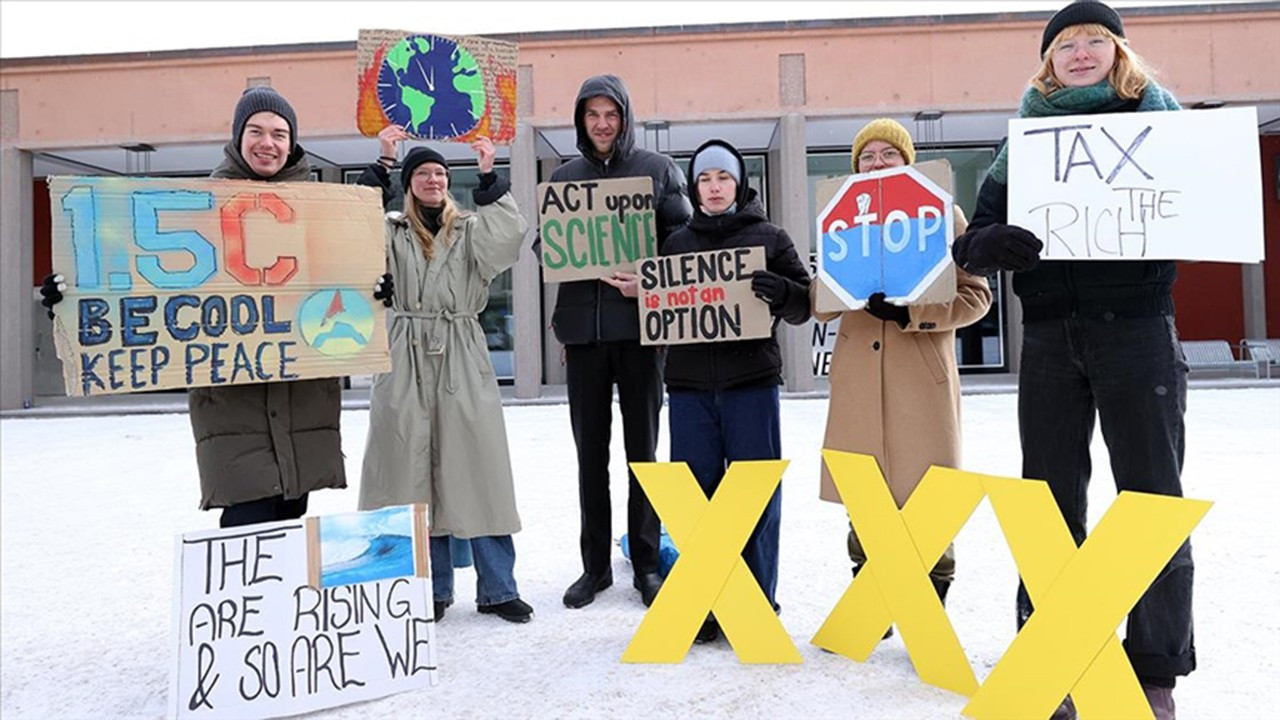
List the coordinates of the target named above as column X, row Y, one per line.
column 771, row 288
column 998, row 247
column 51, row 291
column 886, row 312
column 384, row 290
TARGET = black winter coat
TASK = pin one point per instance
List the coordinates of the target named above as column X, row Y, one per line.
column 589, row 311
column 738, row 363
column 1059, row 289
column 266, row 439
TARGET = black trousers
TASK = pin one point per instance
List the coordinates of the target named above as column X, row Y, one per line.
column 1130, row 375
column 593, row 370
column 268, row 509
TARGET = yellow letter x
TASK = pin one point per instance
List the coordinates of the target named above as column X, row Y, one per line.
column 710, row 574
column 894, row 584
column 1080, row 596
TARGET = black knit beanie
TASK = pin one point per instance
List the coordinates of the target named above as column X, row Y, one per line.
column 416, row 157
column 1081, row 12
column 263, row 99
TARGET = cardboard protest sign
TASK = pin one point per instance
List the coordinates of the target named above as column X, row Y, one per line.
column 592, row 229
column 436, row 87
column 189, row 282
column 886, row 231
column 702, row 297
column 1139, row 186
column 255, row 637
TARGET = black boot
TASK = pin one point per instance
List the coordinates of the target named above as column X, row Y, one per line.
column 709, row 632
column 940, row 587
column 648, row 584
column 584, row 589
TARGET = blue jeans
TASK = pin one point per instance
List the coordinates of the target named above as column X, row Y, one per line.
column 495, row 561
column 709, row 430
column 1131, row 375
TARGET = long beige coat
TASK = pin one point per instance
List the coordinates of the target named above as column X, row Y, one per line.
column 895, row 392
column 436, row 432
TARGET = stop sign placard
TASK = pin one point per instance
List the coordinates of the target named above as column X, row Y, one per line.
column 887, row 231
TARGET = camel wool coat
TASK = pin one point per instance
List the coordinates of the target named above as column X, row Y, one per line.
column 895, row 391
column 436, row 432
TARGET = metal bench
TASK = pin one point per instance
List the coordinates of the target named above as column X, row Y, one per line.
column 1214, row 355
column 1264, row 352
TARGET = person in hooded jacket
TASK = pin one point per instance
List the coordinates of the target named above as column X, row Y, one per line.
column 436, row 431
column 600, row 331
column 1099, row 342
column 724, row 395
column 895, row 387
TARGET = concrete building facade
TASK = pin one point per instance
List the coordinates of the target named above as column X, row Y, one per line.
column 790, row 95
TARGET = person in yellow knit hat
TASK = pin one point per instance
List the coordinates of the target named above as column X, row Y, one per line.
column 895, row 389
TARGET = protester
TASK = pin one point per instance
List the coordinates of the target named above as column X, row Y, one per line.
column 436, row 432
column 895, row 389
column 724, row 395
column 1099, row 341
column 600, row 330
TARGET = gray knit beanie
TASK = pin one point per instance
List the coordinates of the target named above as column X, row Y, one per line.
column 1081, row 12
column 717, row 157
column 263, row 99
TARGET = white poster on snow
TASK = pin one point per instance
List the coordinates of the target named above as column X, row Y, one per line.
column 290, row 617
column 1174, row 185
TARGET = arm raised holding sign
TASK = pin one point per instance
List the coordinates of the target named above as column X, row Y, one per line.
column 1099, row 339
column 436, row 431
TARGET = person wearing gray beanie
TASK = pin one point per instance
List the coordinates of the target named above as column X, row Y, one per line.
column 717, row 157
column 263, row 99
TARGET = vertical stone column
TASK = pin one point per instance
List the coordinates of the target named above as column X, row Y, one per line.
column 526, row 303
column 793, row 216
column 17, row 333
column 1254, row 288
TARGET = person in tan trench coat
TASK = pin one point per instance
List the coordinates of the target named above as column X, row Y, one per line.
column 436, row 431
column 895, row 389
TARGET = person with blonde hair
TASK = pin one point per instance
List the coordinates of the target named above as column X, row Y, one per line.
column 1099, row 342
column 436, row 432
column 895, row 387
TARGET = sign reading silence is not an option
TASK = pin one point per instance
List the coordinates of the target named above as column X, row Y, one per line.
column 702, row 297
column 592, row 229
column 888, row 231
column 1140, row 185
column 191, row 282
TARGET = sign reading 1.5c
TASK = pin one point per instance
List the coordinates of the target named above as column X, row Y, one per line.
column 179, row 283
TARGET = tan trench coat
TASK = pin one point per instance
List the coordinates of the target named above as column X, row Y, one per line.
column 436, row 432
column 895, row 392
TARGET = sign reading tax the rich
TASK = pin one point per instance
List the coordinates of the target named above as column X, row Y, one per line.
column 591, row 229
column 702, row 297
column 1140, row 185
column 192, row 282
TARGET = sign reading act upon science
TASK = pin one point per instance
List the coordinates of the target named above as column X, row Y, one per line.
column 190, row 282
column 594, row 228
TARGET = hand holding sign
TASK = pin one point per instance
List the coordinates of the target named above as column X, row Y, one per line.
column 485, row 153
column 625, row 282
column 999, row 247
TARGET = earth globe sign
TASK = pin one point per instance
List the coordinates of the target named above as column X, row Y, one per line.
column 336, row 321
column 431, row 87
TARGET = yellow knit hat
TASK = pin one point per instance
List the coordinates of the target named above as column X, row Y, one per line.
column 888, row 130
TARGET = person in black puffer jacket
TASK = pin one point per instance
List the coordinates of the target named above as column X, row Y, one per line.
column 600, row 330
column 1099, row 341
column 723, row 396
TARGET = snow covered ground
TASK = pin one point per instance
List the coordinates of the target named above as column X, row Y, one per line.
column 91, row 505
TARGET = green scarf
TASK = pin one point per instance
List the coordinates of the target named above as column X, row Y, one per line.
column 1099, row 98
